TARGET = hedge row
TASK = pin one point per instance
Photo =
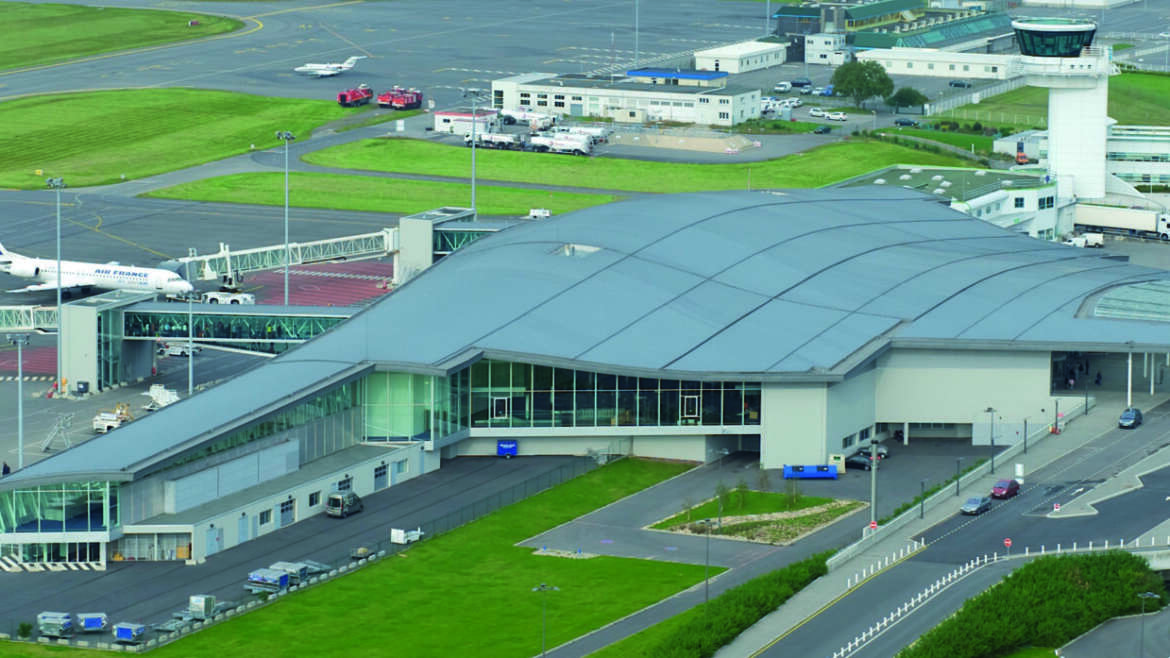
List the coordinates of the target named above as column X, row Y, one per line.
column 1045, row 603
column 717, row 623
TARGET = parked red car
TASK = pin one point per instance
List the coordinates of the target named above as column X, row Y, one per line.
column 1005, row 489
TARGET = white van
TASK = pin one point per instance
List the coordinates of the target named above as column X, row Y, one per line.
column 782, row 87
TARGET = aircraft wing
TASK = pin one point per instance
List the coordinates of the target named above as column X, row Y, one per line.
column 325, row 73
column 67, row 282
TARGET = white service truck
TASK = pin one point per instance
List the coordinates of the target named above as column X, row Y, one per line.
column 227, row 297
column 1086, row 240
column 562, row 143
column 596, row 134
column 535, row 120
column 495, row 140
column 1132, row 222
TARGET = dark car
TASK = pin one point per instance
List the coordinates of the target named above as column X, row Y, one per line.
column 903, row 121
column 859, row 460
column 963, row 84
column 975, row 506
column 821, row 130
column 801, row 82
column 342, row 504
column 1005, row 489
column 1130, row 418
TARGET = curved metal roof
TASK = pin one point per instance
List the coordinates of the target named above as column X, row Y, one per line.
column 750, row 284
column 782, row 285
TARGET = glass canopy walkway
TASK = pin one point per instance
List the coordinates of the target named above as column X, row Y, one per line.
column 262, row 329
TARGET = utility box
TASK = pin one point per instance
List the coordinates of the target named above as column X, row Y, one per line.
column 266, row 580
column 298, row 572
column 201, row 606
column 400, row 536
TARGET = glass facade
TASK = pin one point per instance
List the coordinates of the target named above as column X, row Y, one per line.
column 330, row 404
column 447, row 241
column 68, row 507
column 272, row 334
column 1040, row 43
column 504, row 394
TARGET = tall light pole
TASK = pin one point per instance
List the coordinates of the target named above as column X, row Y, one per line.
column 19, row 340
column 767, row 17
column 191, row 332
column 991, row 433
column 958, row 474
column 286, row 137
column 544, row 589
column 707, row 567
column 1142, row 636
column 57, row 184
column 873, row 467
column 636, row 13
column 473, row 93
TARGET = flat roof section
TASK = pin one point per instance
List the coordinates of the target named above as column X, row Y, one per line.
column 676, row 74
column 569, row 82
column 961, row 184
column 740, row 49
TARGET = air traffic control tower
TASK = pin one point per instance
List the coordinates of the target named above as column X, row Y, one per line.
column 1058, row 55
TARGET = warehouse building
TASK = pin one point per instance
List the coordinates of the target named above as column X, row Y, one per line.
column 682, row 96
column 795, row 324
column 741, row 57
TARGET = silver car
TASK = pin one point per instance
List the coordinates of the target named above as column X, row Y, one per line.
column 976, row 505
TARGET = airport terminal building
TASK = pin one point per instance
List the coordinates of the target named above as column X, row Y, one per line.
column 796, row 324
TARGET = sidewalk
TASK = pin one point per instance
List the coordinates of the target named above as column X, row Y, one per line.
column 1042, row 451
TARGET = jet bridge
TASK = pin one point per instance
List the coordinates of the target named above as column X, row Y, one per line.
column 232, row 265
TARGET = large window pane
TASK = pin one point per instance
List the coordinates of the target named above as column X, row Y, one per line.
column 563, row 407
column 606, row 408
column 542, row 408
column 648, row 402
column 712, row 403
column 733, row 404
column 586, row 407
column 751, row 404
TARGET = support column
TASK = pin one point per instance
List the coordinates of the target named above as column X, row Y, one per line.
column 906, row 432
column 1129, row 382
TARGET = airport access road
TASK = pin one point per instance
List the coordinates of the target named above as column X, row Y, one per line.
column 957, row 539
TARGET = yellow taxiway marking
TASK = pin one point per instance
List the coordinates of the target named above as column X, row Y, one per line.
column 315, row 7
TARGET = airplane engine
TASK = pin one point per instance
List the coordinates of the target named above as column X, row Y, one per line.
column 24, row 270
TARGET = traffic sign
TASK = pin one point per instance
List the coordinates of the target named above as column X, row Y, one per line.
column 1007, row 542
column 873, row 525
column 1055, row 507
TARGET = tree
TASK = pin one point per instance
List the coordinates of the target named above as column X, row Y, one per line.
column 862, row 81
column 907, row 97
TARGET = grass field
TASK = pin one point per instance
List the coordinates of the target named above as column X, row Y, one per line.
column 380, row 116
column 754, row 502
column 774, row 126
column 1134, row 99
column 815, row 168
column 465, row 593
column 93, row 138
column 983, row 144
column 1032, row 652
column 370, row 193
column 36, row 34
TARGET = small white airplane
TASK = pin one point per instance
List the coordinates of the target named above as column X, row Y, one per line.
column 74, row 274
column 327, row 70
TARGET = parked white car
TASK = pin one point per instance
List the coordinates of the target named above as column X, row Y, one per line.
column 816, row 112
column 794, row 102
column 837, row 116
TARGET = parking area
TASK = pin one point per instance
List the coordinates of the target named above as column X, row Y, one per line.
column 148, row 592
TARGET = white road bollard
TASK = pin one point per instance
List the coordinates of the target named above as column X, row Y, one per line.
column 1042, row 549
column 1074, row 546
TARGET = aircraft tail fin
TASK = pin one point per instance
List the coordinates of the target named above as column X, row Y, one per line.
column 349, row 63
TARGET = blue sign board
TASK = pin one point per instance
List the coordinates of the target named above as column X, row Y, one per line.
column 506, row 448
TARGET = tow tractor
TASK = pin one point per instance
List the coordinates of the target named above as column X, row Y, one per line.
column 105, row 421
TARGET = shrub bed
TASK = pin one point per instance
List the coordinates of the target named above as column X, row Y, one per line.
column 706, row 628
column 1045, row 603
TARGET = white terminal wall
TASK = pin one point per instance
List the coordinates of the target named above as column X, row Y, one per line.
column 1076, row 136
column 941, row 63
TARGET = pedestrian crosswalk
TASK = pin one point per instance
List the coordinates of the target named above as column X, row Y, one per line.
column 12, row 565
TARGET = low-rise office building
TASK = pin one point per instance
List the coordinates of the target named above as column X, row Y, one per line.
column 1138, row 155
column 628, row 101
column 741, row 57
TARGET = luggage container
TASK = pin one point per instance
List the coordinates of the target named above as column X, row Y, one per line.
column 129, row 633
column 201, row 606
column 92, row 622
column 298, row 572
column 400, row 536
column 266, row 580
column 55, row 624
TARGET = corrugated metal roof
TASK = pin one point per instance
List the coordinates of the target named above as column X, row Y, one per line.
column 884, row 7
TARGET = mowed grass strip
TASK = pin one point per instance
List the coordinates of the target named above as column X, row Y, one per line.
column 375, row 194
column 36, row 34
column 93, row 138
column 983, row 144
column 815, row 168
column 1134, row 99
column 465, row 593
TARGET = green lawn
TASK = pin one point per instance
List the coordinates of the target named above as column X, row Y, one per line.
column 774, row 126
column 37, row 34
column 370, row 193
column 1134, row 99
column 1118, row 47
column 1032, row 652
column 379, row 116
column 754, row 502
column 93, row 138
column 983, row 144
column 465, row 593
column 815, row 168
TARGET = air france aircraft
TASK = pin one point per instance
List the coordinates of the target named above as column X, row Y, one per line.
column 326, row 70
column 74, row 274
